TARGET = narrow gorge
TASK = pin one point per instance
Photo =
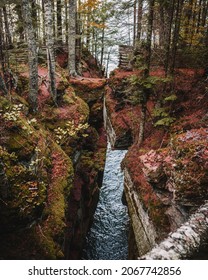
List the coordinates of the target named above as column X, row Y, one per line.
column 108, row 237
column 162, row 191
column 58, row 202
column 77, row 184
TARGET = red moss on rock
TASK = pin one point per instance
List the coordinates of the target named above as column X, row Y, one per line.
column 87, row 84
column 167, row 170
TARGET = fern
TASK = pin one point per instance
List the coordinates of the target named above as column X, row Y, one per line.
column 165, row 121
column 160, row 112
column 171, row 97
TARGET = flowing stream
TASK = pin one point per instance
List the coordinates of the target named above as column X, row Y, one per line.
column 108, row 236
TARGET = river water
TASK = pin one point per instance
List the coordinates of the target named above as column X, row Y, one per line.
column 108, row 236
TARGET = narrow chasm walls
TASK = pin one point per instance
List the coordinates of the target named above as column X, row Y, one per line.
column 165, row 178
column 51, row 166
column 89, row 166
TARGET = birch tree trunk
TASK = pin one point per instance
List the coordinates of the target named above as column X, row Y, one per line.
column 186, row 241
column 66, row 21
column 2, row 83
column 6, row 24
column 2, row 63
column 43, row 21
column 72, row 38
column 32, row 55
column 2, row 60
column 50, row 48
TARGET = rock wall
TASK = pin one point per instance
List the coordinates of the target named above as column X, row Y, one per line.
column 118, row 139
column 89, row 167
column 51, row 166
column 142, row 228
column 166, row 177
column 108, row 127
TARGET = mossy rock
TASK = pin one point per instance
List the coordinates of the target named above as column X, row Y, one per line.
column 54, row 224
column 22, row 145
column 190, row 174
column 83, row 109
column 23, row 194
column 5, row 104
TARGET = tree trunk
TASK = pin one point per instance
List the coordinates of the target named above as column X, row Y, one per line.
column 107, row 62
column 32, row 56
column 204, row 12
column 146, row 71
column 88, row 28
column 54, row 24
column 199, row 16
column 34, row 17
column 167, row 41
column 142, row 124
column 193, row 25
column 2, row 44
column 135, row 23
column 149, row 38
column 102, row 46
column 43, row 20
column 179, row 5
column 161, row 26
column 66, row 21
column 2, row 83
column 72, row 38
column 7, row 30
column 59, row 22
column 78, row 41
column 139, row 20
column 50, row 48
column 186, row 241
column 188, row 16
column 20, row 27
column 203, row 20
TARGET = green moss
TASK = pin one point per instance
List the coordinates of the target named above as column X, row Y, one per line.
column 99, row 159
column 37, row 173
column 21, row 145
column 83, row 109
column 70, row 100
column 5, row 104
column 25, row 193
column 59, row 189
